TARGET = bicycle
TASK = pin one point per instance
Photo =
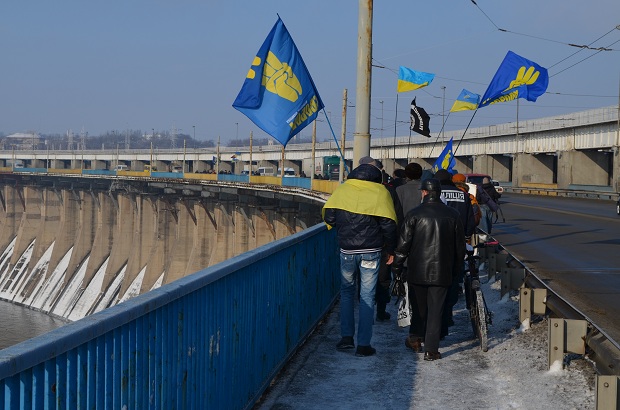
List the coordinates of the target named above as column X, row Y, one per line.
column 479, row 313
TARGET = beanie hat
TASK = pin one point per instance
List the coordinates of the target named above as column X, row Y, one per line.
column 367, row 160
column 458, row 178
column 443, row 176
column 413, row 170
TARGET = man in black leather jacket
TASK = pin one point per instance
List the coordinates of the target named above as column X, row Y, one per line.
column 432, row 241
column 362, row 211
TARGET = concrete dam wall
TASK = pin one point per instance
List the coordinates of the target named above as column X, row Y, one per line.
column 72, row 246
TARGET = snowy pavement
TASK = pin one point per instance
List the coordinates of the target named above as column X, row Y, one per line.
column 513, row 374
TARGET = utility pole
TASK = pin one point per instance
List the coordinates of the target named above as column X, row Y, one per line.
column 343, row 135
column 361, row 136
column 443, row 113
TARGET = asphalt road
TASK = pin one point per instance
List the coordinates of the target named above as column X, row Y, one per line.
column 573, row 245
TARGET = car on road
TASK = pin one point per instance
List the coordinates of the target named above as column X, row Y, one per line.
column 618, row 206
column 498, row 187
column 476, row 179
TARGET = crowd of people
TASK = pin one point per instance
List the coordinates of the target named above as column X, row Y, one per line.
column 413, row 225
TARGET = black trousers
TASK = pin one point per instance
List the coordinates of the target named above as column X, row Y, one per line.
column 384, row 280
column 427, row 303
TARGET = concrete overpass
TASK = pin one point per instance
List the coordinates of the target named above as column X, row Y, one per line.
column 570, row 151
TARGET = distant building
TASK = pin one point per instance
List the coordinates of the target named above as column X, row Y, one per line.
column 21, row 141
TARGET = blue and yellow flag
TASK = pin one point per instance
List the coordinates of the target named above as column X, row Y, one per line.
column 278, row 94
column 516, row 77
column 445, row 160
column 409, row 80
column 466, row 101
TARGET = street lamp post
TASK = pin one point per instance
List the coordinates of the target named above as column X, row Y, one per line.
column 443, row 112
column 237, row 135
column 381, row 152
column 194, row 127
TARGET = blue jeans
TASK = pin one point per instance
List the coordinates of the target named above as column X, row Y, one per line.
column 366, row 265
column 486, row 222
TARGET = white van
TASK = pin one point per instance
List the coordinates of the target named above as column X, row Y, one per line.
column 288, row 172
column 266, row 171
column 121, row 167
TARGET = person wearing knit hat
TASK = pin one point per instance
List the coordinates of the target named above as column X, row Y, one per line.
column 459, row 200
column 459, row 182
column 458, row 178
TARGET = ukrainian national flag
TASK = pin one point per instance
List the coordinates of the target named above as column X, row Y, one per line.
column 466, row 101
column 278, row 94
column 445, row 160
column 409, row 80
column 516, row 77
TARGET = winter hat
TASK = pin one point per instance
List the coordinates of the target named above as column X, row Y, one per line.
column 367, row 160
column 443, row 176
column 413, row 170
column 458, row 178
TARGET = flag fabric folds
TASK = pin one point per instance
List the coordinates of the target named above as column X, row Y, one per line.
column 445, row 160
column 420, row 120
column 409, row 80
column 516, row 77
column 278, row 94
column 466, row 101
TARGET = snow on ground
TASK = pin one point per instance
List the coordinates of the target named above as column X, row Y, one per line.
column 513, row 374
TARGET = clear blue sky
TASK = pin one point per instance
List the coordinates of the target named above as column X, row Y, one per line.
column 117, row 65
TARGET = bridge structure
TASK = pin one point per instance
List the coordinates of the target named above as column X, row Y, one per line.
column 571, row 151
column 180, row 339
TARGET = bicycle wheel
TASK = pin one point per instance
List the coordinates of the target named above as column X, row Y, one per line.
column 481, row 319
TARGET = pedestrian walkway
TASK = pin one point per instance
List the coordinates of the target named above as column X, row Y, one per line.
column 513, row 374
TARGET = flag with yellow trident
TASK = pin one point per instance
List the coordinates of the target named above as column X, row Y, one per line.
column 445, row 160
column 516, row 77
column 278, row 94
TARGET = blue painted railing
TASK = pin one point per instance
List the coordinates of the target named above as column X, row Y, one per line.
column 211, row 340
column 233, row 178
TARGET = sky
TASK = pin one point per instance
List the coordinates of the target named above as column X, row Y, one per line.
column 168, row 65
column 512, row 374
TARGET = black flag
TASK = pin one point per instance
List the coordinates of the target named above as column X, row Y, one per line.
column 420, row 120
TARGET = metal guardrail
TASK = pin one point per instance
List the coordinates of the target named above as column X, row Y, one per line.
column 214, row 339
column 570, row 331
column 593, row 193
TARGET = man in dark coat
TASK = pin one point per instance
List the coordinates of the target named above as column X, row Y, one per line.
column 362, row 211
column 459, row 200
column 433, row 243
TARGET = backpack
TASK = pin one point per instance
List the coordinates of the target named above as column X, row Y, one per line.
column 476, row 208
column 484, row 198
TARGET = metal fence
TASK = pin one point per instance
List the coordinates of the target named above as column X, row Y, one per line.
column 214, row 339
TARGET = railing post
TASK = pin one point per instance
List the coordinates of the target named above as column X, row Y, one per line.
column 531, row 302
column 566, row 336
column 607, row 397
column 512, row 279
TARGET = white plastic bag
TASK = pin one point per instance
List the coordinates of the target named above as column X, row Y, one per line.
column 404, row 310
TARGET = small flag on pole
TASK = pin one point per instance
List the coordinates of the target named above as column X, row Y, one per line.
column 445, row 160
column 466, row 101
column 278, row 94
column 409, row 80
column 420, row 120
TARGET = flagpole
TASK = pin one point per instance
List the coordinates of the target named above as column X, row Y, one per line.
column 395, row 122
column 313, row 154
column 440, row 133
column 346, row 167
column 464, row 132
column 408, row 146
column 250, row 173
column 343, row 135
